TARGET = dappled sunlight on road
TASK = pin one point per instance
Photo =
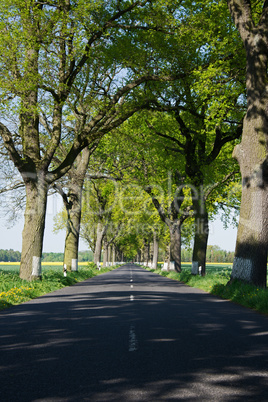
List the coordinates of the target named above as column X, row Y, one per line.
column 159, row 340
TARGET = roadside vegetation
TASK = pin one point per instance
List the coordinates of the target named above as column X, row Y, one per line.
column 216, row 283
column 14, row 290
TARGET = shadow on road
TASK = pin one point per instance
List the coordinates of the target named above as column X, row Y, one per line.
column 74, row 344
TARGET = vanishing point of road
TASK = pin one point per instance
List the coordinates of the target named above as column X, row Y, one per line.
column 131, row 335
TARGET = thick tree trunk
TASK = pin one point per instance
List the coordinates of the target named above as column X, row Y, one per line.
column 73, row 206
column 250, row 263
column 175, row 245
column 34, row 226
column 101, row 230
column 109, row 255
column 113, row 254
column 155, row 250
column 105, row 253
column 147, row 252
column 201, row 236
column 72, row 229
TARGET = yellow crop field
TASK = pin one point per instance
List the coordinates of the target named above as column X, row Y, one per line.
column 43, row 263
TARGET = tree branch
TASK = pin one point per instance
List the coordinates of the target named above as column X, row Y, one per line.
column 10, row 146
column 240, row 11
column 224, row 180
column 168, row 137
column 220, row 141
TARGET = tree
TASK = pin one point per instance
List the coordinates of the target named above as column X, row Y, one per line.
column 250, row 263
column 72, row 202
column 149, row 172
column 201, row 112
column 47, row 49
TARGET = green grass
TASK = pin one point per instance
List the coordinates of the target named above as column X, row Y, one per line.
column 215, row 282
column 14, row 290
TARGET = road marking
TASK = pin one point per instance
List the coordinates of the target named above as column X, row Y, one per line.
column 131, row 297
column 133, row 344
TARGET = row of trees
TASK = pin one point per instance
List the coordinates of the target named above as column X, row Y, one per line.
column 15, row 256
column 9, row 255
column 83, row 256
column 214, row 254
column 164, row 85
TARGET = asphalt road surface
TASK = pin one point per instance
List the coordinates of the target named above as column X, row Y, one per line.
column 131, row 335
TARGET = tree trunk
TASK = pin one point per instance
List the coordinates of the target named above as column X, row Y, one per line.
column 201, row 235
column 250, row 262
column 113, row 254
column 73, row 206
column 175, row 245
column 109, row 255
column 105, row 253
column 147, row 251
column 34, row 226
column 101, row 229
column 155, row 251
column 72, row 229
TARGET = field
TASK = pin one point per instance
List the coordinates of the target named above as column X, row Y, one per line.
column 15, row 266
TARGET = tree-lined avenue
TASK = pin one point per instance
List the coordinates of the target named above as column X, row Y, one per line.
column 131, row 335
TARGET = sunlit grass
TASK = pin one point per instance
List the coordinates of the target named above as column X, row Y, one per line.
column 216, row 283
column 14, row 290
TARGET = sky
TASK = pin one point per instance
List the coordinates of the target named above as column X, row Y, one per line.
column 11, row 238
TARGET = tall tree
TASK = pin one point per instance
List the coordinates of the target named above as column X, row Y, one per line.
column 73, row 203
column 250, row 263
column 45, row 47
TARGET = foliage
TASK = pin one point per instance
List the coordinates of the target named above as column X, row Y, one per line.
column 10, row 255
column 214, row 254
column 83, row 256
column 14, row 256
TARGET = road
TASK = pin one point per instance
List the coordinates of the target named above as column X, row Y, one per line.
column 131, row 335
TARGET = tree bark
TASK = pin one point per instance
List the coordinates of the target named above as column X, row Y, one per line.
column 155, row 250
column 147, row 248
column 72, row 229
column 113, row 255
column 201, row 234
column 105, row 252
column 109, row 255
column 175, row 245
column 34, row 226
column 101, row 230
column 250, row 262
column 73, row 206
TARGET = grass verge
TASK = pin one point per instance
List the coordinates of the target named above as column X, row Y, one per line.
column 215, row 282
column 14, row 290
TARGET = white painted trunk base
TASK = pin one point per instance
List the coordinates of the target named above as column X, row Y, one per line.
column 36, row 266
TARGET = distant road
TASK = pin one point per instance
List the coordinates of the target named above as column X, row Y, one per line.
column 131, row 335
